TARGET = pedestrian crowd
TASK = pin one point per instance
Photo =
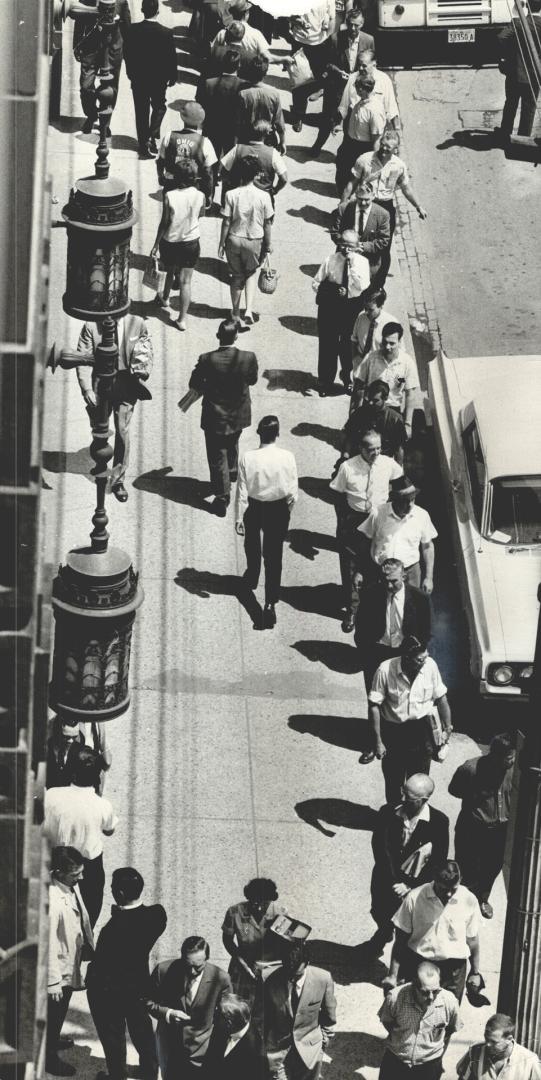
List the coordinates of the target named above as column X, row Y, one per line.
column 273, row 1013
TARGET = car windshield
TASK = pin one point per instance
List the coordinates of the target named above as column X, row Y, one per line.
column 516, row 510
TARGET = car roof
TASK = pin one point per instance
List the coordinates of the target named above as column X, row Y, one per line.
column 506, row 393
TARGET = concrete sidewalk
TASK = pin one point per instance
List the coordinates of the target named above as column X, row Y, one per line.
column 238, row 756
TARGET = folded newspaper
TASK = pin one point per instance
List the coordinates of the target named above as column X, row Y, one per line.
column 188, row 400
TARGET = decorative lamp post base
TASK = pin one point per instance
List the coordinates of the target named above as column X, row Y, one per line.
column 95, row 597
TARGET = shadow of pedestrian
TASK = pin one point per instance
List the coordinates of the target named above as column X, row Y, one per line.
column 215, row 268
column 300, row 324
column 350, row 1053
column 60, row 461
column 317, row 487
column 339, row 812
column 350, row 733
column 331, row 436
column 180, row 489
column 299, row 382
column 149, row 309
column 343, row 659
column 319, row 187
column 301, row 153
column 68, row 124
column 309, row 544
column 310, row 269
column 312, row 216
column 470, row 139
column 345, row 963
column 205, row 584
column 323, row 600
column 207, row 311
column 123, row 142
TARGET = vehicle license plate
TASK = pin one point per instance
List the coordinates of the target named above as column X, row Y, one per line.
column 456, row 37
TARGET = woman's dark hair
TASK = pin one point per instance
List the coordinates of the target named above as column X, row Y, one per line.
column 248, row 168
column 260, row 889
column 185, row 174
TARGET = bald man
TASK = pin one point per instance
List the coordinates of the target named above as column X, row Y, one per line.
column 409, row 842
column 420, row 1018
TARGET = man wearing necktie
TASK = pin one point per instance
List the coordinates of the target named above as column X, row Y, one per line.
column 388, row 612
column 299, row 1009
column 340, row 285
column 184, row 997
column 371, row 223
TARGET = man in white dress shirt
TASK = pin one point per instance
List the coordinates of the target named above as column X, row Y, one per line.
column 340, row 285
column 396, row 367
column 76, row 816
column 267, row 489
column 401, row 530
column 362, row 484
column 383, row 89
column 69, row 932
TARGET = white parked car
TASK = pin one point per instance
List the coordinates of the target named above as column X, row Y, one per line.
column 486, row 413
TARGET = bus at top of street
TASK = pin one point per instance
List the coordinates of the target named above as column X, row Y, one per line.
column 438, row 31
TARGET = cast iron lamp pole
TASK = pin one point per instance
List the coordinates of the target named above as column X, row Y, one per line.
column 520, row 978
column 96, row 592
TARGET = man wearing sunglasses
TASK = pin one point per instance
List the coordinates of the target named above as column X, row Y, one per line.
column 420, row 1018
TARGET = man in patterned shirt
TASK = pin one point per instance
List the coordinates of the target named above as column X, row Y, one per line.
column 420, row 1017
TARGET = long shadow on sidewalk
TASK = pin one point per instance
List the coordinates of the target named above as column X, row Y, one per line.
column 339, row 812
column 337, row 657
column 309, row 544
column 331, row 436
column 298, row 382
column 346, row 963
column 314, row 599
column 348, row 732
column 180, row 489
column 204, row 584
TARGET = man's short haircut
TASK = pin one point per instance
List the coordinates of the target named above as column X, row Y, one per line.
column 227, row 331
column 367, row 187
column 356, row 13
column 392, row 564
column 150, row 8
column 235, row 32
column 393, row 328
column 366, row 82
column 392, row 134
column 500, row 1022
column 256, row 68
column 268, row 428
column 235, row 1010
column 230, row 61
column 411, row 646
column 261, row 889
column 378, row 296
column 64, row 859
column 260, row 129
column 129, row 880
column 368, row 52
column 378, row 386
column 185, row 174
column 192, row 944
column 85, row 769
column 370, row 433
column 239, row 10
column 426, row 967
column 248, row 168
column 448, row 874
column 502, row 743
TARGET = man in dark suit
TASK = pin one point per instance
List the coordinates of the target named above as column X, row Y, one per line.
column 88, row 49
column 151, row 66
column 521, row 79
column 370, row 221
column 235, row 1051
column 410, row 842
column 388, row 612
column 219, row 98
column 299, row 1008
column 117, row 979
column 345, row 47
column 223, row 378
column 135, row 359
column 183, row 998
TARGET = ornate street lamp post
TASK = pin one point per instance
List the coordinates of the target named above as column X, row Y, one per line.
column 96, row 593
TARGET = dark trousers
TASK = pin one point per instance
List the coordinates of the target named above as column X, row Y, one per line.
column 408, row 750
column 111, row 1012
column 270, row 520
column 346, row 156
column 223, row 459
column 332, row 95
column 90, row 66
column 56, row 1014
column 147, row 97
column 317, row 56
column 335, row 319
column 380, row 276
column 452, row 971
column 91, row 887
column 347, row 520
column 518, row 94
column 479, row 851
column 393, row 1069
